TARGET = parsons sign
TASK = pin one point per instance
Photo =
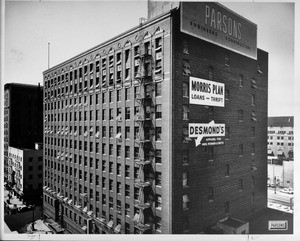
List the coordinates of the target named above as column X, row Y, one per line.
column 206, row 92
column 219, row 25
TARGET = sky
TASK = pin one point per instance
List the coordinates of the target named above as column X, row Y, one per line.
column 71, row 27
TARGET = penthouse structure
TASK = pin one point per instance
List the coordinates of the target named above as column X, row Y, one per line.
column 162, row 129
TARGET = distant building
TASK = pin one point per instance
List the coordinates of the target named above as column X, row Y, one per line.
column 281, row 151
column 25, row 172
column 281, row 137
column 124, row 120
column 23, row 119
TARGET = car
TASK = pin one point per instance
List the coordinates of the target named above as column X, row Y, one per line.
column 271, row 185
column 287, row 190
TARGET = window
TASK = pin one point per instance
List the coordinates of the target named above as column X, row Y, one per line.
column 259, row 69
column 103, row 97
column 111, row 113
column 158, row 133
column 127, row 171
column 118, row 150
column 103, row 199
column 226, row 207
column 118, row 95
column 240, row 115
column 253, row 99
column 253, row 131
column 227, row 133
column 127, row 190
column 185, row 134
column 127, row 132
column 252, row 181
column 185, row 201
column 103, row 114
column 185, row 110
column 127, row 113
column 210, row 72
column 241, row 80
column 127, row 151
column 184, row 179
column 241, row 150
column 118, row 169
column 227, row 59
column 158, row 112
column 157, row 156
column 210, row 193
column 241, row 184
column 110, row 186
column 185, row 223
column 227, row 94
column 185, row 156
column 158, row 178
column 185, row 89
column 253, row 116
column 252, row 148
column 111, row 148
column 127, row 209
column 185, row 47
column 158, row 89
column 186, row 67
column 227, row 170
column 253, row 83
column 158, row 201
column 111, row 131
column 127, row 93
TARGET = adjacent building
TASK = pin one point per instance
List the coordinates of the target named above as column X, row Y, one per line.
column 162, row 129
column 23, row 119
column 25, row 172
column 281, row 151
column 281, row 137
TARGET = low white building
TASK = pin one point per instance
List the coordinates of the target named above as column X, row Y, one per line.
column 283, row 174
column 25, row 171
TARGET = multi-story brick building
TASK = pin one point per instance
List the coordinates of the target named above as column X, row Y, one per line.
column 281, row 137
column 23, row 118
column 120, row 155
column 25, row 171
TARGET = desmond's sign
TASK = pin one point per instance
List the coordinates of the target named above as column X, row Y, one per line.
column 217, row 24
column 206, row 92
column 210, row 134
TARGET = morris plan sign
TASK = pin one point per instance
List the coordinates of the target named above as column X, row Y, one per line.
column 206, row 92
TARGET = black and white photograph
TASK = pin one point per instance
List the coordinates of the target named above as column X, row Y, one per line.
column 168, row 118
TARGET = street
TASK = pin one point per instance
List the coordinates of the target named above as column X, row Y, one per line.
column 279, row 197
column 18, row 222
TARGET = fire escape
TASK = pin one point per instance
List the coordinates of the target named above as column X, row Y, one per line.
column 145, row 139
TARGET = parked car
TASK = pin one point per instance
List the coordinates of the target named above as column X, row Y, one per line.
column 287, row 190
column 271, row 185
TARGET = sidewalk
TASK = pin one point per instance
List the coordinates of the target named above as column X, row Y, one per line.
column 39, row 228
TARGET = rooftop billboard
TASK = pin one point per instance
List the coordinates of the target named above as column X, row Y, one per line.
column 217, row 24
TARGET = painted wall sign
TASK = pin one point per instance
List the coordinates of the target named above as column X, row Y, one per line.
column 219, row 25
column 210, row 134
column 206, row 92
